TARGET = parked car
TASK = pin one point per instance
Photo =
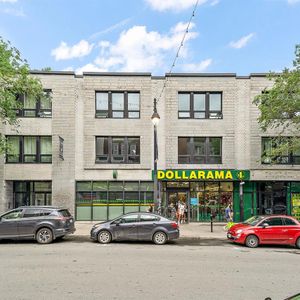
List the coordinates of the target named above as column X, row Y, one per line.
column 136, row 226
column 259, row 230
column 42, row 223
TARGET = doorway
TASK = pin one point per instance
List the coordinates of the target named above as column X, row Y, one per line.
column 272, row 198
column 174, row 199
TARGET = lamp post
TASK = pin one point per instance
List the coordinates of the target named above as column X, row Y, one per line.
column 155, row 120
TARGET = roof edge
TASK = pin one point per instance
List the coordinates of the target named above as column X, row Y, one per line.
column 116, row 74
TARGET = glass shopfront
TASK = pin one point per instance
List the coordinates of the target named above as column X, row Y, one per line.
column 32, row 193
column 201, row 199
column 106, row 200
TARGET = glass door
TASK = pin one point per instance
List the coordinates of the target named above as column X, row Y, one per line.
column 178, row 206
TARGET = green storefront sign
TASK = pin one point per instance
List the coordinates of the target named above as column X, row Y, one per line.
column 187, row 175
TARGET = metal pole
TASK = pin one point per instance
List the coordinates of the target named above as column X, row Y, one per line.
column 241, row 201
column 155, row 171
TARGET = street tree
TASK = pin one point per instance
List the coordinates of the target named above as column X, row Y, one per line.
column 280, row 109
column 15, row 79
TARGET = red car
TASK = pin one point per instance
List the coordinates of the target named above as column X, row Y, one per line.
column 260, row 230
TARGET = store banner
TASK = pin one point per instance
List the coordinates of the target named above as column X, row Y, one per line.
column 296, row 205
column 217, row 175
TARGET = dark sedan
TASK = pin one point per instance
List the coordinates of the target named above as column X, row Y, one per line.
column 136, row 226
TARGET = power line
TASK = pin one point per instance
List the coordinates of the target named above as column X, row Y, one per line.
column 179, row 48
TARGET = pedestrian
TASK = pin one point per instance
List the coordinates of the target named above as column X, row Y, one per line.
column 181, row 207
column 229, row 213
column 150, row 208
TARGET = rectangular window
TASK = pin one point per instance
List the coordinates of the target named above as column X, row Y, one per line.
column 272, row 154
column 200, row 105
column 29, row 149
column 199, row 150
column 118, row 105
column 122, row 150
column 36, row 108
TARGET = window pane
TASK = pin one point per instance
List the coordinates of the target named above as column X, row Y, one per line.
column 118, row 114
column 100, row 186
column 45, row 100
column 29, row 149
column 102, row 149
column 183, row 146
column 133, row 115
column 133, row 150
column 131, row 186
column 226, row 186
column 29, row 102
column 147, row 186
column 199, row 146
column 184, row 114
column 29, row 113
column 199, row 115
column 117, row 101
column 102, row 114
column 43, row 186
column 46, row 145
column 101, row 101
column 115, row 186
column 183, row 102
column 133, row 101
column 273, row 221
column 215, row 146
column 130, row 219
column 118, row 149
column 215, row 102
column 199, row 101
column 83, row 186
column 13, row 152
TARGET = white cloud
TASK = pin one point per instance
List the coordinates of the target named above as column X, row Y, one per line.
column 13, row 12
column 214, row 2
column 291, row 2
column 139, row 50
column 242, row 42
column 89, row 68
column 176, row 5
column 63, row 51
column 8, row 1
column 197, row 67
column 109, row 29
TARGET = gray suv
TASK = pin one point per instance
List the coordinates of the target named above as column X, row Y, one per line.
column 42, row 223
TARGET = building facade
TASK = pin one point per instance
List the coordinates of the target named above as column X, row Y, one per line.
column 89, row 145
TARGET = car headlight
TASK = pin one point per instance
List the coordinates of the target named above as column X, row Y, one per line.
column 239, row 231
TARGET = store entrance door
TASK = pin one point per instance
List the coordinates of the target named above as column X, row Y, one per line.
column 178, row 204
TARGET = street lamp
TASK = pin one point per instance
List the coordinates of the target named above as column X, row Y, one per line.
column 155, row 120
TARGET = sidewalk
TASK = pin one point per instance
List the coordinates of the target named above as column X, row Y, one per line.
column 191, row 230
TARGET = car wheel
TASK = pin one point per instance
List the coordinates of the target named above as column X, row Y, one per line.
column 104, row 237
column 44, row 236
column 298, row 243
column 252, row 241
column 159, row 238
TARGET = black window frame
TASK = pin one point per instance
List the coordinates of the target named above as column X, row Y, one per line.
column 108, row 114
column 22, row 156
column 206, row 110
column 207, row 157
column 289, row 159
column 126, row 157
column 38, row 111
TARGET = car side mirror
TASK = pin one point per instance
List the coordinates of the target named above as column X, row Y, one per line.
column 264, row 225
column 118, row 222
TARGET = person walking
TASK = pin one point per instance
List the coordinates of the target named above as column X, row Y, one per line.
column 229, row 213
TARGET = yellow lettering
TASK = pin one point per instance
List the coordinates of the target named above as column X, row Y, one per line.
column 228, row 175
column 184, row 175
column 169, row 175
column 210, row 175
column 201, row 175
column 219, row 174
column 177, row 175
column 160, row 174
column 193, row 175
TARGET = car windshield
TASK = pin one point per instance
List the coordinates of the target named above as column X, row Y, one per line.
column 64, row 213
column 253, row 220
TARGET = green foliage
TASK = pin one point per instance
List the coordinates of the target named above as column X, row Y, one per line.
column 280, row 106
column 15, row 79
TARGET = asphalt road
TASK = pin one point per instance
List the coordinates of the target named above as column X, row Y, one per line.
column 77, row 268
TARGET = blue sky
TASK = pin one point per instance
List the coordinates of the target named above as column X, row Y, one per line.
column 236, row 36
